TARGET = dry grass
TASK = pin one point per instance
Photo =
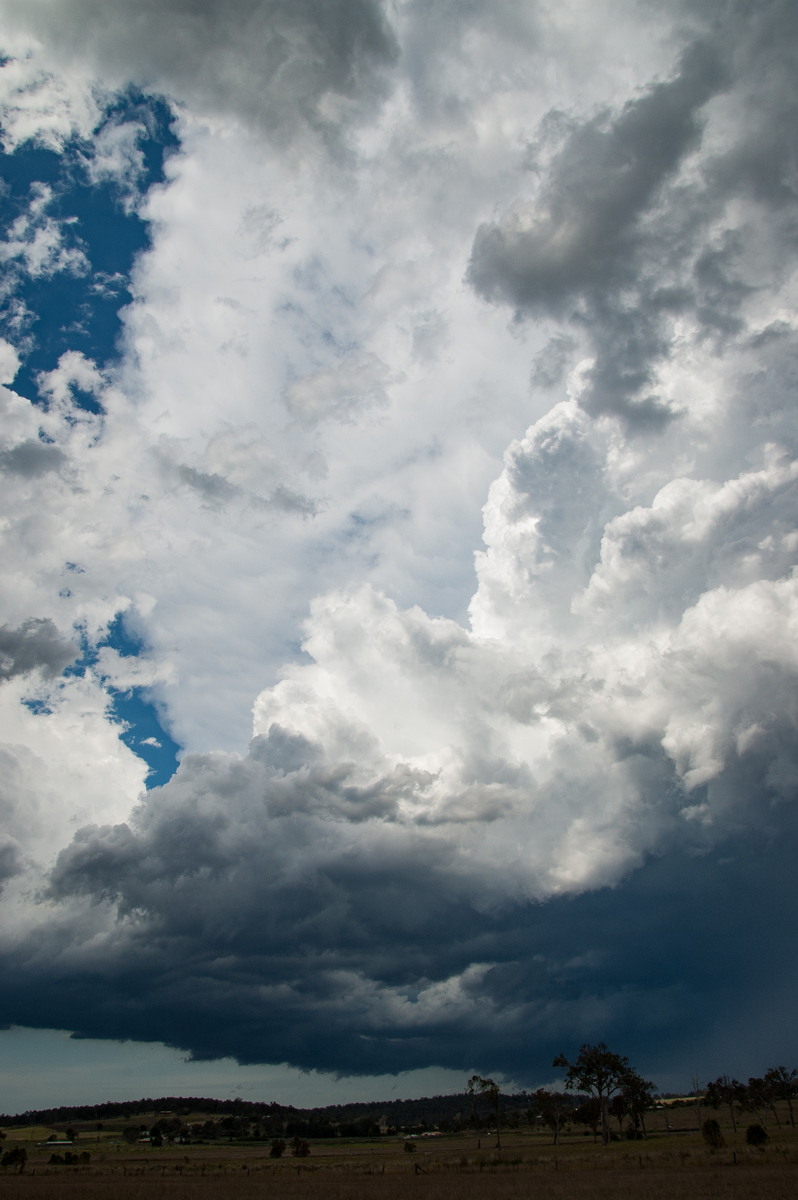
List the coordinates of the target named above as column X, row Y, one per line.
column 669, row 1165
column 712, row 1182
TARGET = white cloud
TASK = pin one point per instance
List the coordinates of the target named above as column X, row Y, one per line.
column 47, row 107
column 61, row 767
column 9, row 362
column 38, row 241
column 116, row 156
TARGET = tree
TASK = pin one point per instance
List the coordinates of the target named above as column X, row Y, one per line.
column 553, row 1108
column 474, row 1093
column 479, row 1089
column 762, row 1098
column 619, row 1108
column 589, row 1113
column 698, row 1092
column 727, row 1091
column 599, row 1072
column 638, row 1094
column 299, row 1147
column 785, row 1086
column 493, row 1095
column 277, row 1148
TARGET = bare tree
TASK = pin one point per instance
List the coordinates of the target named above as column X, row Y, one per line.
column 698, row 1092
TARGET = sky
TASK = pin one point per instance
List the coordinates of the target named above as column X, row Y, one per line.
column 398, row 647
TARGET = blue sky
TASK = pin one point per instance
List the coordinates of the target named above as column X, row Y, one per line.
column 52, row 312
column 397, row 656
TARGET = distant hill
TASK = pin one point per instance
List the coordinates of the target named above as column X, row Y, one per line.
column 429, row 1112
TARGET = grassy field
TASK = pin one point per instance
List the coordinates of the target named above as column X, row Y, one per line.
column 671, row 1164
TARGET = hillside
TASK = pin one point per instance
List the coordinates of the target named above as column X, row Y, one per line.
column 453, row 1111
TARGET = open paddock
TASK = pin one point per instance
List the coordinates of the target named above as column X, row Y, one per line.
column 383, row 1172
column 673, row 1163
column 745, row 1181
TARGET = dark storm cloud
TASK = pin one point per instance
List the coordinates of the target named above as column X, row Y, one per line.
column 583, row 231
column 283, row 894
column 587, row 244
column 10, row 860
column 35, row 645
column 277, row 907
column 272, row 63
column 618, row 242
column 761, row 161
column 281, row 938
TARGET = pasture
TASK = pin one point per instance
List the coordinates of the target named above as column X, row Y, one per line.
column 672, row 1163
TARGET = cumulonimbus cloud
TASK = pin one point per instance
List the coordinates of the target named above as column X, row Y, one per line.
column 448, row 836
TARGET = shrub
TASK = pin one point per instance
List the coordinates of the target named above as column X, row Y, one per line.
column 710, row 1132
column 16, row 1157
column 755, row 1135
column 277, row 1148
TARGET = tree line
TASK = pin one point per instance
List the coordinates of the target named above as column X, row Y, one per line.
column 355, row 1119
column 601, row 1091
column 111, row 1109
column 600, row 1086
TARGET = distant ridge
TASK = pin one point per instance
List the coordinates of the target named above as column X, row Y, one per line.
column 429, row 1110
